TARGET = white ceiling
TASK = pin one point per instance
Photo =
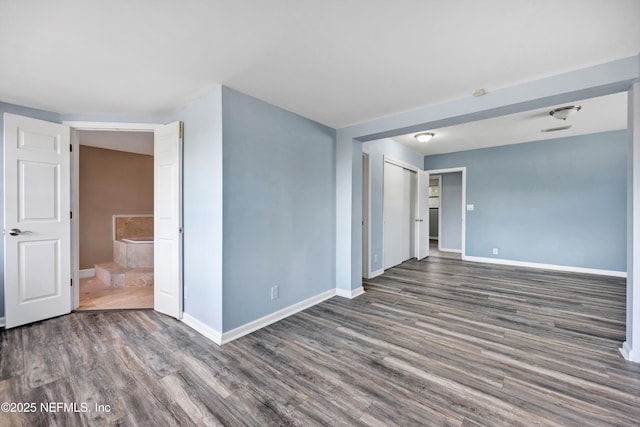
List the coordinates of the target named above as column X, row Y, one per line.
column 596, row 115
column 132, row 142
column 335, row 61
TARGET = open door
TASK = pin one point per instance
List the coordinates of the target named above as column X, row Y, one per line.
column 422, row 216
column 167, row 245
column 37, row 239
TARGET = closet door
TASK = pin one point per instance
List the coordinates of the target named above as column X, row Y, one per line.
column 394, row 226
column 399, row 214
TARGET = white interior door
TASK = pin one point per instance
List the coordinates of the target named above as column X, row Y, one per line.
column 392, row 205
column 167, row 294
column 422, row 216
column 37, row 238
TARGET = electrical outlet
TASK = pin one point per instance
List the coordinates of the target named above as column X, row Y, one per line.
column 495, row 251
column 275, row 292
column 185, row 293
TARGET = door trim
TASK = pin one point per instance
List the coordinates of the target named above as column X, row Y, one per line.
column 75, row 186
column 403, row 165
column 463, row 230
column 366, row 215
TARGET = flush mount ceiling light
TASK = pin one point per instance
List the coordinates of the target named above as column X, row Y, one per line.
column 424, row 137
column 563, row 113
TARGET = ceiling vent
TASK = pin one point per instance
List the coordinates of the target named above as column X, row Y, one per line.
column 556, row 129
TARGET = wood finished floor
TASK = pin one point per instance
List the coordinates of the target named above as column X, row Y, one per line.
column 436, row 342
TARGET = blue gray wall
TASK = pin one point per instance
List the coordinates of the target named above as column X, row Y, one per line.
column 451, row 212
column 278, row 210
column 27, row 112
column 560, row 201
column 377, row 150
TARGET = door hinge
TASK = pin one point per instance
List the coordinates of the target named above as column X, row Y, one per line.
column 70, row 214
column 71, row 282
column 181, row 129
column 71, row 147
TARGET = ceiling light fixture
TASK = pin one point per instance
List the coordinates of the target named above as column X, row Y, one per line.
column 424, row 137
column 563, row 113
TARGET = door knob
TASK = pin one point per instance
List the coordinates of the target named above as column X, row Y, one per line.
column 17, row 232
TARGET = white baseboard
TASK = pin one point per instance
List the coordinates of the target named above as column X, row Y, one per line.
column 350, row 294
column 455, row 251
column 376, row 273
column 2, row 322
column 201, row 328
column 88, row 272
column 628, row 353
column 274, row 317
column 554, row 267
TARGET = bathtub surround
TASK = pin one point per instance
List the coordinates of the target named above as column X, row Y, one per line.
column 132, row 264
column 132, row 226
column 134, row 253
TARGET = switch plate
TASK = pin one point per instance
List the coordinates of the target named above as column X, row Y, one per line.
column 275, row 292
column 470, row 207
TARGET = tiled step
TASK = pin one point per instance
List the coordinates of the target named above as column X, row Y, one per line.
column 118, row 276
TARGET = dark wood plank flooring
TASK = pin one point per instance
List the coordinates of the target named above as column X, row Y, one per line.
column 436, row 342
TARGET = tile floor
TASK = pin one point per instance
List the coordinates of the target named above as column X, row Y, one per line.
column 96, row 295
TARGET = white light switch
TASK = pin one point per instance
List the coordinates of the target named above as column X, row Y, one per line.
column 469, row 207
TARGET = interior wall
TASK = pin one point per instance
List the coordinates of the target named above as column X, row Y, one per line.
column 111, row 183
column 278, row 208
column 202, row 209
column 377, row 151
column 451, row 212
column 560, row 201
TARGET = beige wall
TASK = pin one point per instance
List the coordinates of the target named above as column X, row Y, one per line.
column 111, row 183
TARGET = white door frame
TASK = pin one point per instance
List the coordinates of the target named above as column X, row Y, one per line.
column 75, row 187
column 463, row 229
column 439, row 178
column 366, row 219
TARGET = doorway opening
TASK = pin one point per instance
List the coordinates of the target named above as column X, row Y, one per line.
column 447, row 212
column 115, row 219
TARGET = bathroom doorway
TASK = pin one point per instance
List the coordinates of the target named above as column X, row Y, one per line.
column 115, row 195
